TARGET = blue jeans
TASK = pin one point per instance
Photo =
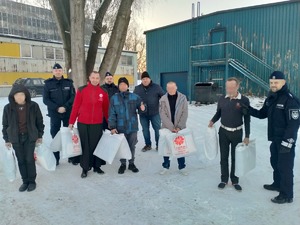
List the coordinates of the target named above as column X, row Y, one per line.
column 181, row 162
column 156, row 124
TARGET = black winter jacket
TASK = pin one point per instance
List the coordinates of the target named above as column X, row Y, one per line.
column 282, row 110
column 59, row 93
column 35, row 125
column 111, row 89
column 150, row 96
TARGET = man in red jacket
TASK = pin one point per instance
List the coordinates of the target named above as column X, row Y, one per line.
column 90, row 106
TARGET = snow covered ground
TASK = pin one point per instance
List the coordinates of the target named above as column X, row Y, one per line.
column 147, row 198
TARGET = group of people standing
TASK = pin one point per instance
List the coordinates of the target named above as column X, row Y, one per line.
column 98, row 107
column 282, row 109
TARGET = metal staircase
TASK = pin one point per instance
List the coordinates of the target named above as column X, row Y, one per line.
column 247, row 73
column 237, row 57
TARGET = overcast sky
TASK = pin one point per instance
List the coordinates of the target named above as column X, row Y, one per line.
column 163, row 12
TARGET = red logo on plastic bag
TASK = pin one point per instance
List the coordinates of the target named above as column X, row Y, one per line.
column 179, row 140
column 75, row 139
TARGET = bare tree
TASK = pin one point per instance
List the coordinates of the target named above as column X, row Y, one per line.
column 99, row 29
column 61, row 11
column 114, row 49
column 117, row 38
column 111, row 17
column 77, row 39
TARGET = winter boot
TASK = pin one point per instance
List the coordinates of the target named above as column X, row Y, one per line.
column 122, row 169
column 133, row 168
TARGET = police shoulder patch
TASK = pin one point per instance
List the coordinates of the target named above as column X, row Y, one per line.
column 294, row 114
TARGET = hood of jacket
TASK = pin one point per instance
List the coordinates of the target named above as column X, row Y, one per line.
column 18, row 88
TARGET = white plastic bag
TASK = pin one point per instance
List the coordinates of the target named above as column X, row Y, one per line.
column 55, row 145
column 45, row 158
column 182, row 143
column 71, row 145
column 124, row 150
column 163, row 148
column 10, row 164
column 211, row 144
column 108, row 146
column 245, row 158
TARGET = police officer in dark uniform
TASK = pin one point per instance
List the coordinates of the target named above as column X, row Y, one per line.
column 111, row 89
column 59, row 95
column 282, row 110
column 109, row 85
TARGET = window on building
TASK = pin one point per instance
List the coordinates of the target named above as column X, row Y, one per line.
column 25, row 21
column 5, row 31
column 15, row 19
column 9, row 18
column 26, row 51
column 38, row 23
column 4, row 20
column 29, row 21
column 123, row 60
column 59, row 53
column 33, row 22
column 20, row 32
column 37, row 52
column 126, row 60
column 129, row 61
column 18, row 7
column 20, row 20
column 49, row 53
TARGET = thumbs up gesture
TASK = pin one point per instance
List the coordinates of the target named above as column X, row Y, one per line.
column 142, row 107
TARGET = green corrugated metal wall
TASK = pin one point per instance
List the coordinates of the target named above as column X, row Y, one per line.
column 271, row 32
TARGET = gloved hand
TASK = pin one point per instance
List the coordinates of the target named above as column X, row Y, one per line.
column 286, row 146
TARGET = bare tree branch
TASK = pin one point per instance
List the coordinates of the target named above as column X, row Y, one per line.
column 96, row 36
column 117, row 38
column 61, row 12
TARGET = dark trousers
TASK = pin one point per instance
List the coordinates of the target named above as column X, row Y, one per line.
column 105, row 124
column 132, row 141
column 181, row 162
column 283, row 165
column 90, row 135
column 226, row 139
column 25, row 155
column 156, row 124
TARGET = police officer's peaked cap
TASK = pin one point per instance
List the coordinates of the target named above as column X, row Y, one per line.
column 57, row 66
column 108, row 74
column 277, row 75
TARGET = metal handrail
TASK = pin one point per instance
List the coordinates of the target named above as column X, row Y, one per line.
column 238, row 47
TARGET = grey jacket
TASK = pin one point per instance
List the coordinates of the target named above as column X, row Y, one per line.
column 181, row 112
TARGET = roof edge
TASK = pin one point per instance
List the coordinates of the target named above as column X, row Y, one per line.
column 224, row 11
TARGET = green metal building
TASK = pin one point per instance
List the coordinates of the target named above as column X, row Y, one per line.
column 248, row 43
